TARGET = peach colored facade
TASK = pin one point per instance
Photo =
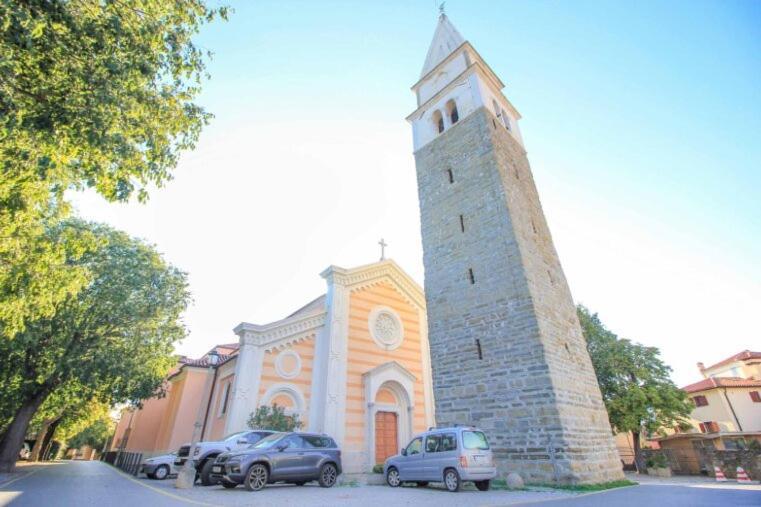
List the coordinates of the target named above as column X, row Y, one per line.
column 353, row 356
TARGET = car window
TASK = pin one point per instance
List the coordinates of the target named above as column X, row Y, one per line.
column 448, row 442
column 433, row 443
column 317, row 441
column 268, row 441
column 293, row 442
column 474, row 440
column 233, row 437
column 253, row 438
column 415, row 447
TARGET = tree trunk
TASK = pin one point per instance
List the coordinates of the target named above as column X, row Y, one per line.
column 48, row 440
column 39, row 441
column 11, row 443
column 639, row 460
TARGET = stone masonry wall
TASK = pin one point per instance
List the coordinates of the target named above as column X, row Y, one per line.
column 728, row 461
column 533, row 390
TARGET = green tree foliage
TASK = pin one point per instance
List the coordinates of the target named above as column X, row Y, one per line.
column 635, row 383
column 273, row 418
column 93, row 428
column 112, row 342
column 93, row 93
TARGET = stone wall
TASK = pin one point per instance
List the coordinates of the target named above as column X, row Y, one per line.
column 507, row 350
column 728, row 461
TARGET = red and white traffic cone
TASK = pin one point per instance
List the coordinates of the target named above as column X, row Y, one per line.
column 742, row 477
column 719, row 474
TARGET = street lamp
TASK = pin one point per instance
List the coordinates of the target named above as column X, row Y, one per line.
column 186, row 477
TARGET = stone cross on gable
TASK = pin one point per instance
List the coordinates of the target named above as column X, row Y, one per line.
column 383, row 246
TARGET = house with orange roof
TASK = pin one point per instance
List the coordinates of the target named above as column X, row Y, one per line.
column 727, row 412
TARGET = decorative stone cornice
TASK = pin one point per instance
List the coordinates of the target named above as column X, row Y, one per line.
column 280, row 334
column 372, row 274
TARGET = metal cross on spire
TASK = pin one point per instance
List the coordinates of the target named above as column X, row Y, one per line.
column 383, row 246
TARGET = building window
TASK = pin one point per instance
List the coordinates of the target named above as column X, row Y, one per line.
column 454, row 116
column 755, row 396
column 700, row 401
column 225, row 399
column 450, row 174
column 506, row 120
column 438, row 121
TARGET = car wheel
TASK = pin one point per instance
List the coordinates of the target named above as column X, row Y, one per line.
column 422, row 484
column 483, row 485
column 452, row 480
column 161, row 473
column 228, row 485
column 392, row 477
column 257, row 477
column 206, row 479
column 328, row 475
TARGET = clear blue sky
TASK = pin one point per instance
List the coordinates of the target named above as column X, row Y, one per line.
column 642, row 121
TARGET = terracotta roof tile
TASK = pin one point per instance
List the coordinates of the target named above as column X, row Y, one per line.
column 744, row 355
column 715, row 382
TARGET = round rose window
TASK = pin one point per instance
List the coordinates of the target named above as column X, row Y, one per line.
column 386, row 328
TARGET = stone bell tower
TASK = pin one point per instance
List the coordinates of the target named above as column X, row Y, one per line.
column 507, row 350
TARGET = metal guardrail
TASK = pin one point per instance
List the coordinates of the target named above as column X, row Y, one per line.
column 129, row 462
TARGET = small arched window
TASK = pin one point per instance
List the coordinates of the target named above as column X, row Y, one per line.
column 506, row 120
column 438, row 121
column 452, row 111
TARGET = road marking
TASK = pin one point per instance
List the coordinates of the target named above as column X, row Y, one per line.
column 158, row 490
column 24, row 476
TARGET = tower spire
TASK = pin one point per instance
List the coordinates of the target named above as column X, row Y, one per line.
column 446, row 39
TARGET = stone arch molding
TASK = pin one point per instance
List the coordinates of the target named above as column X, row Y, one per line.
column 280, row 368
column 289, row 390
column 396, row 378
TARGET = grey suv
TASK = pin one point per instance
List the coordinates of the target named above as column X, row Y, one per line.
column 448, row 455
column 295, row 458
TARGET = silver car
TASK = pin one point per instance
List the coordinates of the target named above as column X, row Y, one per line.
column 448, row 455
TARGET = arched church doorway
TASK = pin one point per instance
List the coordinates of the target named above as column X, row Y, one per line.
column 386, row 424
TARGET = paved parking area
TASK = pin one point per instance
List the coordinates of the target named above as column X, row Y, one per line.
column 313, row 495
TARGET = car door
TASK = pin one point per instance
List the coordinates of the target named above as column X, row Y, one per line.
column 447, row 456
column 288, row 458
column 411, row 464
column 431, row 461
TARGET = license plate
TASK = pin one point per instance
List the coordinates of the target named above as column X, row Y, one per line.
column 216, row 470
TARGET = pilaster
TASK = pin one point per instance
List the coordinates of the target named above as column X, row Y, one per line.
column 335, row 350
column 248, row 374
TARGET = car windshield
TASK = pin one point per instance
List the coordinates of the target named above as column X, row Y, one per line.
column 234, row 436
column 268, row 441
column 474, row 440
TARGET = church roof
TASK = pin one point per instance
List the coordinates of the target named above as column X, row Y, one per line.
column 315, row 304
column 446, row 39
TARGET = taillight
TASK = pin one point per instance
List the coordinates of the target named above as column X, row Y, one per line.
column 464, row 461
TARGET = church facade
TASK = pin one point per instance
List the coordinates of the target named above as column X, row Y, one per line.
column 353, row 363
column 507, row 351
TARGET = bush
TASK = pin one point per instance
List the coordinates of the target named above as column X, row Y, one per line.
column 378, row 469
column 657, row 460
column 274, row 419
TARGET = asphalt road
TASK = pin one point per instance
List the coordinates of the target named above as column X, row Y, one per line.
column 91, row 483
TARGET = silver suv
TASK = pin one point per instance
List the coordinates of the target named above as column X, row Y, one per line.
column 449, row 455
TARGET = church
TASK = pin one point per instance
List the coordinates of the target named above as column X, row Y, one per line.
column 352, row 363
column 506, row 351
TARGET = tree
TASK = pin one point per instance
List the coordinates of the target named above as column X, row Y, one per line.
column 273, row 418
column 112, row 342
column 93, row 94
column 635, row 383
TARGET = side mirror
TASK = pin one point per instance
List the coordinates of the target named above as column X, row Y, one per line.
column 404, row 451
column 282, row 447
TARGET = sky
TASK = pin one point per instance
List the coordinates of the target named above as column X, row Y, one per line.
column 642, row 122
